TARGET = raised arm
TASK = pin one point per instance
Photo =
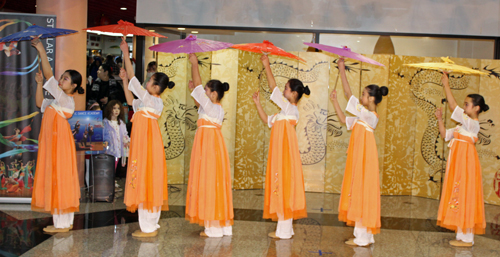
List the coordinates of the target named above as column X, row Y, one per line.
column 262, row 113
column 442, row 128
column 270, row 77
column 191, row 87
column 343, row 77
column 452, row 103
column 338, row 110
column 195, row 70
column 47, row 70
column 126, row 59
column 39, row 89
column 128, row 95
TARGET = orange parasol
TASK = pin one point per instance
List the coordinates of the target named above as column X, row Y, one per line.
column 125, row 28
column 266, row 48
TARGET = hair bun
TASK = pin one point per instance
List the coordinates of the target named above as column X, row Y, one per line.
column 225, row 86
column 307, row 91
column 384, row 90
column 485, row 108
column 171, row 84
column 80, row 90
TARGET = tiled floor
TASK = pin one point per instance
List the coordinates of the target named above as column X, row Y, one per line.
column 104, row 229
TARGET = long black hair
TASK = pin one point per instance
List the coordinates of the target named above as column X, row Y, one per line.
column 162, row 80
column 478, row 100
column 297, row 86
column 76, row 78
column 377, row 92
column 219, row 87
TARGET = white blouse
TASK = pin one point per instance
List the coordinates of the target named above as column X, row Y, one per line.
column 288, row 111
column 153, row 103
column 61, row 101
column 361, row 113
column 467, row 127
column 208, row 110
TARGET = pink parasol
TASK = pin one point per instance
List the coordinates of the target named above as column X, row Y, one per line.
column 189, row 45
column 344, row 52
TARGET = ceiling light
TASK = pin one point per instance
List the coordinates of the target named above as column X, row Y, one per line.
column 181, row 28
column 152, row 30
column 194, row 32
column 123, row 8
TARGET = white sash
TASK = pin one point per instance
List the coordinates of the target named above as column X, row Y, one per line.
column 60, row 110
column 367, row 127
column 280, row 116
column 147, row 113
column 464, row 132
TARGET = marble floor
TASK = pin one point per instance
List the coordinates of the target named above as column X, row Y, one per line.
column 104, row 229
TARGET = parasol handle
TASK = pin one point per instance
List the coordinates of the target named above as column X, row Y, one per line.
column 123, row 59
column 338, row 75
column 337, row 80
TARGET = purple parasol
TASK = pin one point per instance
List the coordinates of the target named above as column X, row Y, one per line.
column 189, row 45
column 345, row 52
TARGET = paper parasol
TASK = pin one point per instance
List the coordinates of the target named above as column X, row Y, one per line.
column 447, row 66
column 125, row 28
column 345, row 52
column 191, row 44
column 36, row 31
column 266, row 48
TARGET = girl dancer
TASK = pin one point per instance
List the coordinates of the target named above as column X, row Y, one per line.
column 209, row 200
column 360, row 197
column 284, row 194
column 462, row 207
column 146, row 184
column 56, row 188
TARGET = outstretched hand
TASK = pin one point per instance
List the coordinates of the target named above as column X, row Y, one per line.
column 341, row 63
column 444, row 78
column 39, row 77
column 439, row 113
column 333, row 95
column 265, row 60
column 123, row 74
column 124, row 48
column 193, row 58
column 256, row 97
column 191, row 85
column 36, row 43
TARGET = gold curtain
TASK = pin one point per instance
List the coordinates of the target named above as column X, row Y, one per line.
column 412, row 155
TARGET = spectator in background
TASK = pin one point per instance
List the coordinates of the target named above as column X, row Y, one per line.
column 150, row 71
column 94, row 67
column 99, row 90
column 119, row 63
column 110, row 60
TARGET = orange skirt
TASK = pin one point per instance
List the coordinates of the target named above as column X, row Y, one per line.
column 56, row 188
column 285, row 196
column 209, row 196
column 147, row 167
column 462, row 204
column 360, row 195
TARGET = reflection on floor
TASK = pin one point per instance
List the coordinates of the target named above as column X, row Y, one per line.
column 104, row 229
